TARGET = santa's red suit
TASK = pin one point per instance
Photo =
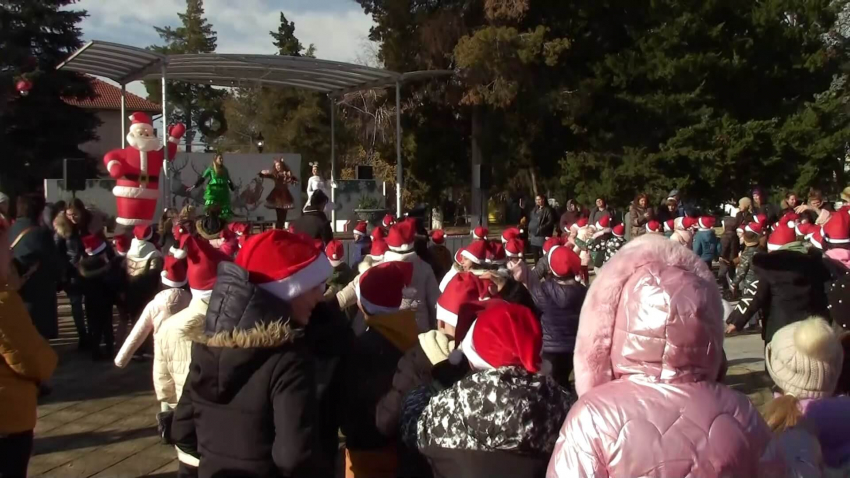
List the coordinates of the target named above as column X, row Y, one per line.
column 136, row 169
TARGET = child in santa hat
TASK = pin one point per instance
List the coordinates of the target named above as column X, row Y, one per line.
column 705, row 240
column 401, row 240
column 383, row 296
column 144, row 263
column 213, row 229
column 251, row 403
column 99, row 279
column 582, row 242
column 440, row 255
column 342, row 274
column 608, row 244
column 805, row 360
column 728, row 253
column 503, row 348
column 362, row 243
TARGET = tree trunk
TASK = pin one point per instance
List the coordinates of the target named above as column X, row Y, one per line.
column 190, row 134
column 533, row 176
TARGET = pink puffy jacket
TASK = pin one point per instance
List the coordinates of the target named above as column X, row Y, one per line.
column 647, row 358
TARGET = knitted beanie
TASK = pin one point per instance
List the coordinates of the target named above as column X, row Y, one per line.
column 805, row 358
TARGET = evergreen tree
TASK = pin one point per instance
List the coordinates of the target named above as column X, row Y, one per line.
column 188, row 101
column 39, row 129
column 284, row 38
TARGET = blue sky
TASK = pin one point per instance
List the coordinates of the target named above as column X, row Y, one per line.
column 338, row 28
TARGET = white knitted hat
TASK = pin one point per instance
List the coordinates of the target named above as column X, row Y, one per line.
column 804, row 358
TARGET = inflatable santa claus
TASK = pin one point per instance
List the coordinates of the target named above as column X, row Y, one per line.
column 136, row 169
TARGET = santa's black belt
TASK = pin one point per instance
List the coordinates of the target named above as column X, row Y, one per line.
column 138, row 178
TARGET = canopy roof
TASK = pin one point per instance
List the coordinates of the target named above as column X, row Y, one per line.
column 123, row 64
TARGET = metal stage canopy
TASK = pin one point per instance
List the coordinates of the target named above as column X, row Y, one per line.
column 124, row 64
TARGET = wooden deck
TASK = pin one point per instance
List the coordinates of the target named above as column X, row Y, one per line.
column 99, row 420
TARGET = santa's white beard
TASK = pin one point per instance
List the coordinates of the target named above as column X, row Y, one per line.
column 142, row 143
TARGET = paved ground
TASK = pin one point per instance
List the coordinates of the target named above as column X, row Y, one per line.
column 99, row 420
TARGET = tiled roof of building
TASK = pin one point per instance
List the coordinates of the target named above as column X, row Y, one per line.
column 108, row 97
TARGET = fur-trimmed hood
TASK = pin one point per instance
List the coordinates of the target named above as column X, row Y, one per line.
column 653, row 312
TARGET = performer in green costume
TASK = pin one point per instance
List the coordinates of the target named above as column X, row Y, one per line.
column 217, row 193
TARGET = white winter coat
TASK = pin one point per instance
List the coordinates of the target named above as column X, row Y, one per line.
column 173, row 350
column 163, row 306
column 427, row 290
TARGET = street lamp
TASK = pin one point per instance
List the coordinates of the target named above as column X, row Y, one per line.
column 261, row 142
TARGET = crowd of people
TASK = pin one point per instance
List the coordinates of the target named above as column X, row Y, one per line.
column 601, row 356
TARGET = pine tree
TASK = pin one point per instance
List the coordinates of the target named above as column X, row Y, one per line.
column 39, row 129
column 284, row 38
column 188, row 101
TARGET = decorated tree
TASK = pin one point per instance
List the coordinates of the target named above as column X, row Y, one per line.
column 37, row 128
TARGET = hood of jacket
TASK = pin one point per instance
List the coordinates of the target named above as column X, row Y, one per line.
column 841, row 256
column 141, row 250
column 243, row 327
column 653, row 313
column 505, row 409
column 169, row 302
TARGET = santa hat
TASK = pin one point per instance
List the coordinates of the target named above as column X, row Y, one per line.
column 378, row 249
column 755, row 228
column 619, row 230
column 122, row 244
column 459, row 255
column 670, row 225
column 837, row 229
column 504, row 335
column 335, row 252
column 549, row 244
column 564, row 263
column 475, row 252
column 689, row 223
column 464, row 288
column 805, row 358
column 93, row 244
column 381, row 289
column 388, row 220
column 283, row 264
column 514, row 248
column 604, row 222
column 438, row 236
column 480, row 232
column 378, row 233
column 238, row 228
column 139, row 118
column 143, row 232
column 817, row 238
column 510, row 233
column 653, row 226
column 806, row 229
column 359, row 229
column 203, row 260
column 760, row 218
column 174, row 272
column 582, row 222
column 496, row 253
column 401, row 236
column 179, row 232
column 706, row 222
column 781, row 236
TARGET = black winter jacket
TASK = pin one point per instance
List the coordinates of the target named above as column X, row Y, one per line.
column 789, row 287
column 251, row 407
column 413, row 370
column 560, row 307
column 315, row 224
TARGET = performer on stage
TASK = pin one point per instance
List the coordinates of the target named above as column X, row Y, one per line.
column 315, row 183
column 217, row 193
column 280, row 199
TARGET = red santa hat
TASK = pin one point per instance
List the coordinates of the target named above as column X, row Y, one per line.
column 761, row 219
column 378, row 233
column 401, row 236
column 619, row 230
column 388, row 220
column 335, row 251
column 93, row 244
column 378, row 249
column 582, row 222
column 475, row 252
column 510, row 233
column 238, row 228
column 459, row 255
column 817, row 238
column 837, row 229
column 550, row 243
column 464, row 288
column 604, row 222
column 283, row 264
column 689, row 222
column 174, row 272
column 564, row 263
column 179, row 233
column 480, row 232
column 143, row 232
column 381, row 289
column 514, row 248
column 438, row 236
column 203, row 260
column 670, row 225
column 496, row 253
column 781, row 236
column 706, row 222
column 359, row 229
column 504, row 335
column 122, row 244
column 487, row 289
column 140, row 118
column 755, row 228
column 653, row 227
column 806, row 229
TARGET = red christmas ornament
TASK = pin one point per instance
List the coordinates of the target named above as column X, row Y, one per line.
column 23, row 86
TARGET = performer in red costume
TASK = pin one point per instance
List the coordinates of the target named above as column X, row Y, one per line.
column 136, row 169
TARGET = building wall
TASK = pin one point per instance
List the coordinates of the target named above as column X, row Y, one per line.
column 109, row 134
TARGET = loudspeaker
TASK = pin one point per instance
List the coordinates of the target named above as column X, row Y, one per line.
column 365, row 172
column 74, row 174
column 482, row 176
